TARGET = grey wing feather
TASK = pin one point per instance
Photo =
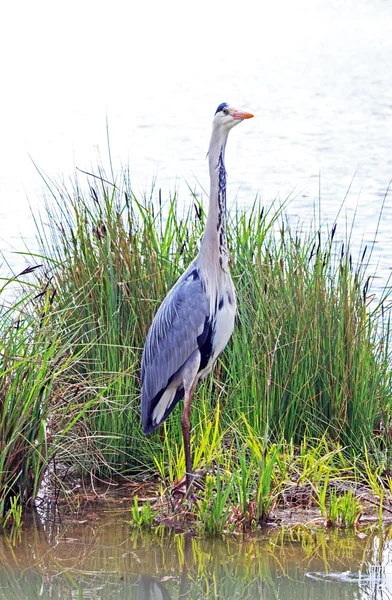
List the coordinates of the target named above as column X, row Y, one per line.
column 172, row 337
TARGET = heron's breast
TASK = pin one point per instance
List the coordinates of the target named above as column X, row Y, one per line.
column 221, row 327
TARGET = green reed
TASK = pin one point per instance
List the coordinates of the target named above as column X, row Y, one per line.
column 310, row 353
column 34, row 358
column 309, row 358
column 142, row 515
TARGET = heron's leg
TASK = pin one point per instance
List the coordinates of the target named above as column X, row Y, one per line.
column 186, row 426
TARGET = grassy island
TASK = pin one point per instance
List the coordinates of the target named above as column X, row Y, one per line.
column 298, row 412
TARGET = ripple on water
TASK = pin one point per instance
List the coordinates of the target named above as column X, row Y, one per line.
column 354, row 577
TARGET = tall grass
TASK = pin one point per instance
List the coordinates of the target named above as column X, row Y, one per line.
column 304, row 297
column 309, row 353
column 309, row 357
column 33, row 357
column 42, row 391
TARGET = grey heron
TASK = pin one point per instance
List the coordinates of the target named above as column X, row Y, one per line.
column 196, row 319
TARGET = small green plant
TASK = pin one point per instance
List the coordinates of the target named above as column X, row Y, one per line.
column 344, row 510
column 142, row 515
column 244, row 478
column 213, row 511
column 321, row 494
column 332, row 513
column 350, row 509
column 14, row 514
column 265, row 489
column 169, row 457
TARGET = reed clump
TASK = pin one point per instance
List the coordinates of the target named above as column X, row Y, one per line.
column 36, row 372
column 309, row 357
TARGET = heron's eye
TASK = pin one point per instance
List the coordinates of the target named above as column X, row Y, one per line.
column 225, row 111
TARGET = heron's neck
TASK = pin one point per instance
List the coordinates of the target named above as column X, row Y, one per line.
column 214, row 241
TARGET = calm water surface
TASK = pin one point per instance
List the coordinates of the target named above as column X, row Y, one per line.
column 102, row 557
column 317, row 75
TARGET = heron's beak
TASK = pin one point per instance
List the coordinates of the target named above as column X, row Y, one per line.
column 239, row 115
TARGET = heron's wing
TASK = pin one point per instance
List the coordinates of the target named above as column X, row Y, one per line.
column 173, row 337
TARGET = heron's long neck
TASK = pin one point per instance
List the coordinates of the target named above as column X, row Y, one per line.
column 214, row 242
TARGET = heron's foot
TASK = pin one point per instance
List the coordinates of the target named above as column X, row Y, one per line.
column 186, row 487
column 190, row 498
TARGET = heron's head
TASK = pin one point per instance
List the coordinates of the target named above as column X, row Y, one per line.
column 227, row 117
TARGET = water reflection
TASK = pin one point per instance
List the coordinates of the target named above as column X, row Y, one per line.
column 150, row 588
column 100, row 556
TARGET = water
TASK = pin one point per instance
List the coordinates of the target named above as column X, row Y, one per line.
column 317, row 75
column 98, row 555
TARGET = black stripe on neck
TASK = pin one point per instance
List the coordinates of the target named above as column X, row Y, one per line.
column 221, row 191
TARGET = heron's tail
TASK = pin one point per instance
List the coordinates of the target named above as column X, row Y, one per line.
column 160, row 407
